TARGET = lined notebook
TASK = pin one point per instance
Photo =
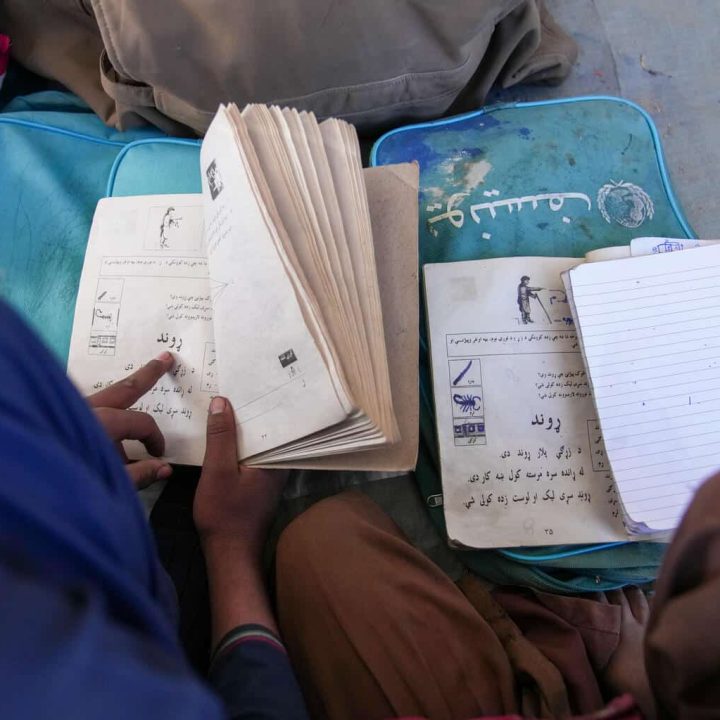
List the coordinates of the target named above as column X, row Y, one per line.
column 650, row 330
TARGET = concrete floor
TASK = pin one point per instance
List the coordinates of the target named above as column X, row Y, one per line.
column 664, row 56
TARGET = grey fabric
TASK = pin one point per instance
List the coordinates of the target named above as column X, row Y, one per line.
column 59, row 40
column 372, row 62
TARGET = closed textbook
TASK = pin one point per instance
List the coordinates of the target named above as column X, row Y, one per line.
column 289, row 285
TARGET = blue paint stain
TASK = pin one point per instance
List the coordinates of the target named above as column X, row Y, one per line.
column 486, row 122
column 524, row 132
column 431, row 145
column 413, row 147
column 472, row 153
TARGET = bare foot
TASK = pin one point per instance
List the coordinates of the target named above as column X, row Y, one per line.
column 625, row 673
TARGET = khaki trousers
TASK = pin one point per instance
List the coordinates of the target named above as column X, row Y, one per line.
column 376, row 630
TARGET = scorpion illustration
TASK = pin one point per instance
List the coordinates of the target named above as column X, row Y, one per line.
column 468, row 403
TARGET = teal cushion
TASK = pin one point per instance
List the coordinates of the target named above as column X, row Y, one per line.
column 56, row 158
column 555, row 178
column 156, row 167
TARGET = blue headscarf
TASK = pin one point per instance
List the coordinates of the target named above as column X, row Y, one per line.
column 86, row 611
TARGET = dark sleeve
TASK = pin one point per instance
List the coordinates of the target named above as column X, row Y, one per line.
column 682, row 642
column 63, row 656
column 251, row 672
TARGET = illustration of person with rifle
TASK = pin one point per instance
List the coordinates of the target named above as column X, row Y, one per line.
column 524, row 293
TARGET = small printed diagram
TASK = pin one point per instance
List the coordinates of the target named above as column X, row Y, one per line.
column 105, row 317
column 209, row 378
column 542, row 305
column 598, row 456
column 174, row 227
column 102, row 344
column 466, row 401
column 288, row 361
column 215, row 181
column 287, row 358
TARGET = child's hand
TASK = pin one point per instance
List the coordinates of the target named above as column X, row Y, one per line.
column 111, row 408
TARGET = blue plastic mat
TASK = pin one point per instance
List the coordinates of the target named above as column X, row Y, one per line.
column 555, row 178
column 56, row 159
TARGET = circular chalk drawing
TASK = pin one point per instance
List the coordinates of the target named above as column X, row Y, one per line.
column 624, row 203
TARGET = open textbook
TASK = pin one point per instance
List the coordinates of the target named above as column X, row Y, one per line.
column 289, row 286
column 522, row 444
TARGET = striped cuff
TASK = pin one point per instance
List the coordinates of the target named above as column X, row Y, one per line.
column 245, row 633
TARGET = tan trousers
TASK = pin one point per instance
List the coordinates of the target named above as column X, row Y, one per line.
column 376, row 630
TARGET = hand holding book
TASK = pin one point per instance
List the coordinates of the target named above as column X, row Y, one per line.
column 278, row 303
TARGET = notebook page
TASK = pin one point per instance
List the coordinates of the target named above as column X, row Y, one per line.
column 656, row 245
column 651, row 333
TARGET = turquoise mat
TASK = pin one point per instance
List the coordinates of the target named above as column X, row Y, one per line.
column 555, row 178
column 56, row 158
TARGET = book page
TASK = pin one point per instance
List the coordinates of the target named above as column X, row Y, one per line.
column 651, row 333
column 608, row 253
column 145, row 288
column 285, row 200
column 393, row 199
column 322, row 267
column 269, row 364
column 343, row 154
column 520, row 449
column 342, row 262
